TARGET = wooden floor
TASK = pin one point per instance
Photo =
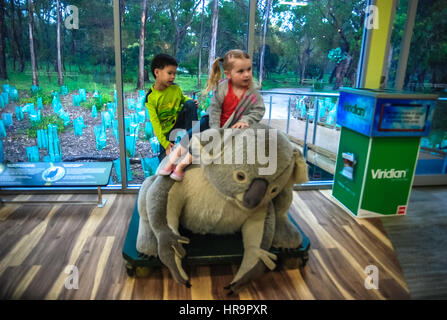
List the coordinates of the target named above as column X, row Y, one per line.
column 38, row 242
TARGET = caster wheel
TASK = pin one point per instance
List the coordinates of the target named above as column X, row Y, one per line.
column 142, row 272
column 130, row 270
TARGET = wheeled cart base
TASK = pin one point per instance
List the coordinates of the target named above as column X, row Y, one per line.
column 206, row 250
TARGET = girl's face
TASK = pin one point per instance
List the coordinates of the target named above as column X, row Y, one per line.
column 241, row 73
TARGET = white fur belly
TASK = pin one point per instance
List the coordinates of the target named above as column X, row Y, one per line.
column 220, row 216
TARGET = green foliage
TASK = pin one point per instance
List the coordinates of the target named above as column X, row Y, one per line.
column 46, row 99
column 46, row 120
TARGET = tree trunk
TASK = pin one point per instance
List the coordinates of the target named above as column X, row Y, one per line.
column 3, row 73
column 264, row 33
column 59, row 57
column 215, row 20
column 18, row 36
column 199, row 79
column 140, row 82
column 340, row 71
column 31, row 43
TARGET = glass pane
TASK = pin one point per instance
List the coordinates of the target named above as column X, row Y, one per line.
column 58, row 99
column 182, row 29
column 307, row 52
column 426, row 72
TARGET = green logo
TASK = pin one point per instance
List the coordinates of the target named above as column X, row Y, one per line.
column 355, row 110
column 388, row 174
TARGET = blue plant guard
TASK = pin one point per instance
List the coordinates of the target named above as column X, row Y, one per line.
column 148, row 118
column 101, row 137
column 82, row 95
column 6, row 87
column 141, row 101
column 2, row 129
column 7, row 119
column 130, row 145
column 141, row 116
column 13, row 94
column 106, row 119
column 32, row 153
column 57, row 105
column 142, row 93
column 131, row 105
column 148, row 131
column 42, row 139
column 35, row 117
column 39, row 103
column 78, row 125
column 2, row 103
column 5, row 97
column 29, row 108
column 64, row 116
column 94, row 112
column 150, row 166
column 155, row 145
column 95, row 94
column 111, row 107
column 76, row 100
column 117, row 165
column 135, row 130
column 64, row 90
column 19, row 113
column 2, row 157
column 127, row 124
column 35, row 89
column 54, row 149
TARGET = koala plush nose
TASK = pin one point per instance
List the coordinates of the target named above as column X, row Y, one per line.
column 254, row 195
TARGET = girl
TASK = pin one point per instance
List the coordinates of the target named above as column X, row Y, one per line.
column 235, row 104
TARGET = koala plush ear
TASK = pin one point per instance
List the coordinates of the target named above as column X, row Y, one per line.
column 299, row 174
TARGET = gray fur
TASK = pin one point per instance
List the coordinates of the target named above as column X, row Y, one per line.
column 213, row 199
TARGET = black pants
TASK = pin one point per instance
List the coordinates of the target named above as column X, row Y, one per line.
column 186, row 116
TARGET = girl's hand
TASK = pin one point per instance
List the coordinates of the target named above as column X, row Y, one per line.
column 240, row 125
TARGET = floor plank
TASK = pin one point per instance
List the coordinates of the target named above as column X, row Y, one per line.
column 39, row 242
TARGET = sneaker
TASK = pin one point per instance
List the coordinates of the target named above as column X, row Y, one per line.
column 167, row 170
column 177, row 176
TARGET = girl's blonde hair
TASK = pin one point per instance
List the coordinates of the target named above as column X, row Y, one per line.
column 227, row 62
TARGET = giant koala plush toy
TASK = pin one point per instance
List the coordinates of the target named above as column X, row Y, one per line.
column 223, row 195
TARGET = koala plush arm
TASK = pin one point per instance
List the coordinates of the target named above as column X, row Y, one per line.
column 170, row 248
column 256, row 246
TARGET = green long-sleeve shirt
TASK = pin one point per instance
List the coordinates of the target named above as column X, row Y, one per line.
column 164, row 107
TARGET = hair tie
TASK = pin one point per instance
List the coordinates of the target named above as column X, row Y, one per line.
column 221, row 59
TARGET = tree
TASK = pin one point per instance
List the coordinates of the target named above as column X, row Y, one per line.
column 181, row 25
column 35, row 80
column 3, row 73
column 199, row 79
column 140, row 82
column 59, row 56
column 264, row 33
column 215, row 20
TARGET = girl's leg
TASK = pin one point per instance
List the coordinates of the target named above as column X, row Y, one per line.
column 179, row 171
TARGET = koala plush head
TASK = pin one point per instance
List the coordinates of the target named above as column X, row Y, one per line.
column 249, row 166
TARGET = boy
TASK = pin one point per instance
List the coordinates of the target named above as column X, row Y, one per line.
column 168, row 108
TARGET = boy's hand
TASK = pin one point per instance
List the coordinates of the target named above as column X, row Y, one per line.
column 240, row 125
column 169, row 148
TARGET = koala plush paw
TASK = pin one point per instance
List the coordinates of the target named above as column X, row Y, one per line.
column 286, row 236
column 238, row 285
column 171, row 252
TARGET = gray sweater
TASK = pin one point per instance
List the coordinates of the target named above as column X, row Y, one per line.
column 252, row 107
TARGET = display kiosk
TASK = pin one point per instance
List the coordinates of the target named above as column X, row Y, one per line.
column 380, row 136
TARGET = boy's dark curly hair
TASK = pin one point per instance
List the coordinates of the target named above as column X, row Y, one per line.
column 162, row 60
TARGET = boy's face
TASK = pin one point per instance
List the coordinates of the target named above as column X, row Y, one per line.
column 166, row 76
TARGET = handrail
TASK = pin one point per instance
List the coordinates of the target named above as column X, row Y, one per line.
column 312, row 94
